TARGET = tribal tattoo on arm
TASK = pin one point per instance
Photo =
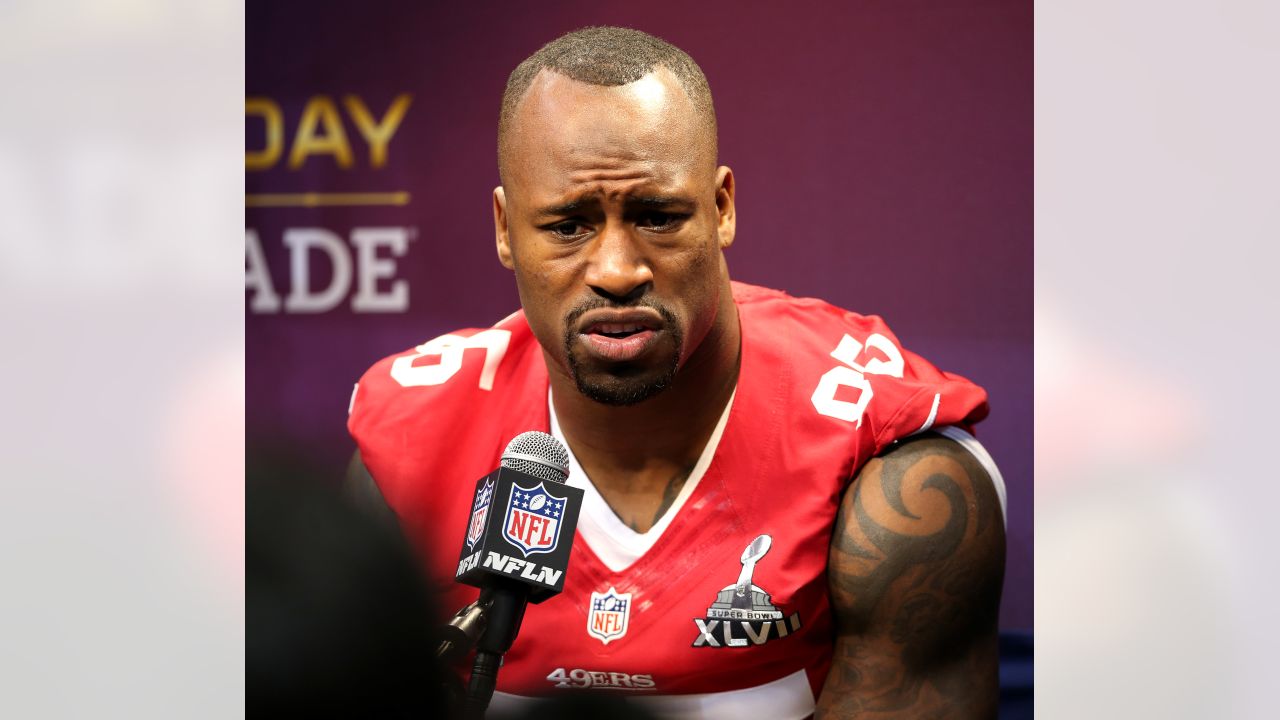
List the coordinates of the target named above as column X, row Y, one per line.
column 915, row 570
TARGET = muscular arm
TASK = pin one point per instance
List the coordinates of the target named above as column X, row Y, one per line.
column 915, row 570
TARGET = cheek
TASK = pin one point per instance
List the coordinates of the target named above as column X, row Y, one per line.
column 690, row 267
column 535, row 297
column 698, row 289
column 540, row 265
column 541, row 285
column 546, row 285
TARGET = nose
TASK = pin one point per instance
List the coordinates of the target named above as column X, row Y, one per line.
column 617, row 269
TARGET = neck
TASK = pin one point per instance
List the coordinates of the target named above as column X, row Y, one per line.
column 668, row 430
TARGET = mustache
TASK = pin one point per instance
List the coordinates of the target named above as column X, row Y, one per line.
column 586, row 306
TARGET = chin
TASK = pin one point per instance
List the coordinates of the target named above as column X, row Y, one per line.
column 613, row 392
column 622, row 386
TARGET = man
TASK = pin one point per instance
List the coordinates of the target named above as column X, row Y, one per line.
column 783, row 515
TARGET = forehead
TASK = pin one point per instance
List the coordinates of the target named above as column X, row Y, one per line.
column 565, row 133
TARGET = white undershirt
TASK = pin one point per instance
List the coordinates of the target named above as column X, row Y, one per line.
column 617, row 545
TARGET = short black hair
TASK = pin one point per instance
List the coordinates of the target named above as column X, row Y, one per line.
column 608, row 56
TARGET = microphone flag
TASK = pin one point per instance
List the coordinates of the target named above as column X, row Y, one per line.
column 521, row 529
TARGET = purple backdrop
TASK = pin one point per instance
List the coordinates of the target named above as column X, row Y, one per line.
column 883, row 153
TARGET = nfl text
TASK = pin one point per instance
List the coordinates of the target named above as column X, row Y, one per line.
column 512, row 566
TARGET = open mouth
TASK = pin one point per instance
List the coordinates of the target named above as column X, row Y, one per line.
column 619, row 334
column 618, row 341
column 617, row 330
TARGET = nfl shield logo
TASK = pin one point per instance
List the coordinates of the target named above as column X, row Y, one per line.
column 532, row 522
column 610, row 612
column 479, row 514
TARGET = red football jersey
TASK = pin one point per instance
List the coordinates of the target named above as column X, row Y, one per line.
column 722, row 607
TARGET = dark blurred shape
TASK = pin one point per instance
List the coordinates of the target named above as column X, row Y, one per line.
column 1017, row 676
column 339, row 621
column 580, row 706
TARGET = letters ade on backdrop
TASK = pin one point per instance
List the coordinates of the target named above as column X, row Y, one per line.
column 520, row 528
column 329, row 132
column 368, row 264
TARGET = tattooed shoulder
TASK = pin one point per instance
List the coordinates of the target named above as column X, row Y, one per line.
column 915, row 570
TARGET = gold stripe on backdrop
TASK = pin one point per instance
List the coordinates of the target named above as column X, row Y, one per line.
column 319, row 199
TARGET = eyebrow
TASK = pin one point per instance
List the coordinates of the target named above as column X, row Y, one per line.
column 577, row 205
column 658, row 201
column 568, row 208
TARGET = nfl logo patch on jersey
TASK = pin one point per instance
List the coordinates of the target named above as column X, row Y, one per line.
column 532, row 521
column 609, row 616
column 480, row 513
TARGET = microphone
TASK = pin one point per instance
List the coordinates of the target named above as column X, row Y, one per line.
column 516, row 550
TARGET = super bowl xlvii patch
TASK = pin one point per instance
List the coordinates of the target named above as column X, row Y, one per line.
column 743, row 613
column 479, row 514
column 610, row 615
column 532, row 521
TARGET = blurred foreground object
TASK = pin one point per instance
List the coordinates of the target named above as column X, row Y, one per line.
column 339, row 622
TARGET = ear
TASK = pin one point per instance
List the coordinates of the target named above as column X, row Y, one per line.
column 724, row 206
column 500, row 228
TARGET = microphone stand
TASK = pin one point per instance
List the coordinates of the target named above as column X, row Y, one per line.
column 462, row 632
column 500, row 609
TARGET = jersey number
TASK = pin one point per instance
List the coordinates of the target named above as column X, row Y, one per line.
column 450, row 349
column 854, row 374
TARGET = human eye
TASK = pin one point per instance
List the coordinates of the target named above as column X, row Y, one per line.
column 567, row 229
column 659, row 221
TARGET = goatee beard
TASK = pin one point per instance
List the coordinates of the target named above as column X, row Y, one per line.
column 619, row 389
